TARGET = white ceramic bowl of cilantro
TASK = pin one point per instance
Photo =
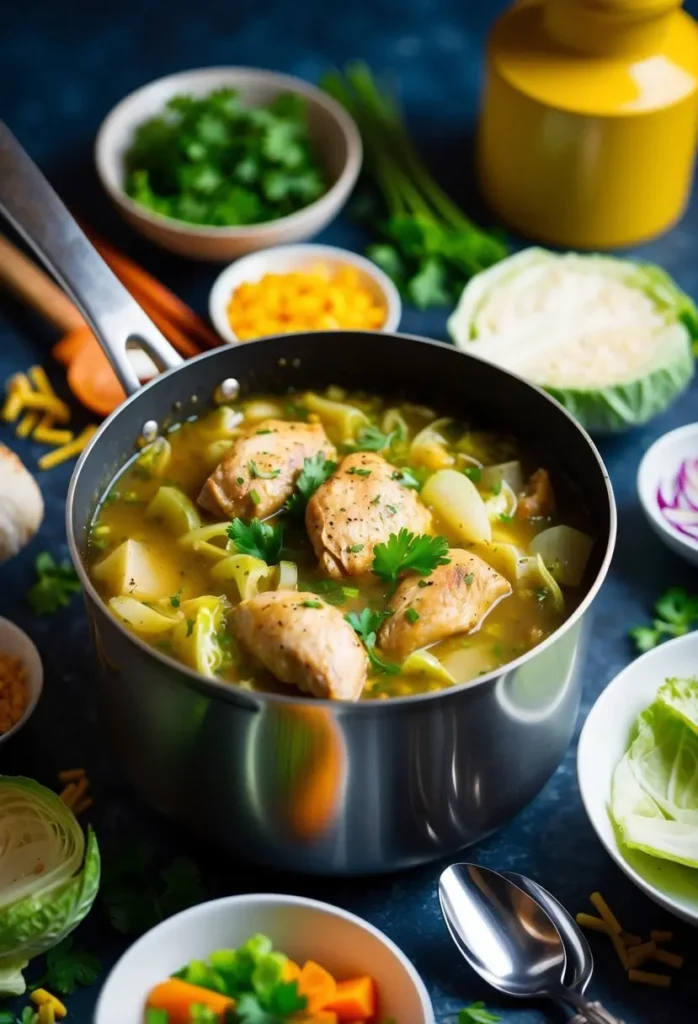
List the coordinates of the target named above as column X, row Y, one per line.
column 303, row 929
column 15, row 642
column 285, row 259
column 603, row 743
column 334, row 138
column 663, row 471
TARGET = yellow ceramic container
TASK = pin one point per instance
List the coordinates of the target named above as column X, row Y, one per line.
column 588, row 129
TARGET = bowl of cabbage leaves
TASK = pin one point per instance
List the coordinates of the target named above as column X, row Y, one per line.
column 638, row 773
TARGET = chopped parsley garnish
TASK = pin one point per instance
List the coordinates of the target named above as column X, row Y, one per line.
column 505, row 517
column 404, row 552
column 190, row 626
column 676, row 613
column 254, row 497
column 366, row 624
column 261, row 540
column 376, row 500
column 469, row 579
column 174, row 600
column 240, row 480
column 358, row 471
column 542, row 594
column 356, row 547
column 411, row 615
column 315, row 471
column 261, row 474
column 407, row 479
column 473, row 473
column 266, row 431
column 311, row 604
column 332, row 591
column 55, row 585
column 372, row 439
column 496, row 487
column 296, row 412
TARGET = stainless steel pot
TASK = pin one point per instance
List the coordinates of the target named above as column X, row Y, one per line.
column 314, row 785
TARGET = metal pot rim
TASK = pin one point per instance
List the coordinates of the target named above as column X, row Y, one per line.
column 235, row 694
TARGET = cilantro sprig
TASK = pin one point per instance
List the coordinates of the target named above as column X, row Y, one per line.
column 69, row 967
column 366, row 625
column 427, row 245
column 55, row 585
column 316, row 470
column 261, row 540
column 676, row 612
column 405, row 552
column 477, row 1013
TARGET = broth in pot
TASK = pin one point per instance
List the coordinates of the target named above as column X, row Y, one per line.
column 338, row 545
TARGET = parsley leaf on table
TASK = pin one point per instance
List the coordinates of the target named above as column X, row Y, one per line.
column 405, row 551
column 136, row 896
column 676, row 613
column 316, row 470
column 69, row 967
column 477, row 1014
column 55, row 585
column 366, row 625
column 261, row 540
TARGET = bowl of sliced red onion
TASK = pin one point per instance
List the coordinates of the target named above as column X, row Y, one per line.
column 667, row 483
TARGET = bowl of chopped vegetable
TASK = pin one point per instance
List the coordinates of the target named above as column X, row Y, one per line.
column 264, row 957
column 667, row 484
column 302, row 288
column 21, row 679
column 637, row 773
column 219, row 162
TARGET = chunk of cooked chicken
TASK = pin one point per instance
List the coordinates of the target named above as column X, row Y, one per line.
column 455, row 598
column 539, row 499
column 361, row 504
column 303, row 642
column 266, row 460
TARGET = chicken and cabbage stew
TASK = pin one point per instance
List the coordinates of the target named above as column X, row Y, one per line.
column 340, row 546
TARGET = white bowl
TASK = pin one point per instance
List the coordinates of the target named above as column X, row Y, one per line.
column 333, row 133
column 302, row 928
column 603, row 742
column 15, row 642
column 658, row 468
column 286, row 258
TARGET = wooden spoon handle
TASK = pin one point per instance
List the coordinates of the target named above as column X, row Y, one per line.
column 30, row 284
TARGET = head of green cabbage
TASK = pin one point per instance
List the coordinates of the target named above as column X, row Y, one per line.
column 611, row 339
column 49, row 875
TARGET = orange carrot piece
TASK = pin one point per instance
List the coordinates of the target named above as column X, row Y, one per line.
column 92, row 380
column 70, row 345
column 355, row 998
column 317, row 985
column 177, row 997
column 143, row 285
column 323, row 1017
column 292, row 971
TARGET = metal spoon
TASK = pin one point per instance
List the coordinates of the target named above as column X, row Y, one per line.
column 580, row 962
column 508, row 938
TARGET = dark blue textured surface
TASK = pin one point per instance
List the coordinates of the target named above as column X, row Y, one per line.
column 62, row 67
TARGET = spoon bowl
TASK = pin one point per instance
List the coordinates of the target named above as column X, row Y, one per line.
column 580, row 962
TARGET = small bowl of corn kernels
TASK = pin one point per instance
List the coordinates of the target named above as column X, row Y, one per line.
column 296, row 288
column 21, row 679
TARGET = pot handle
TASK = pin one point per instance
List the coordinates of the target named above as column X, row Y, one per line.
column 40, row 216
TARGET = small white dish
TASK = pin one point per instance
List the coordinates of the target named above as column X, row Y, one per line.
column 658, row 469
column 333, row 133
column 304, row 929
column 286, row 258
column 15, row 642
column 604, row 741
